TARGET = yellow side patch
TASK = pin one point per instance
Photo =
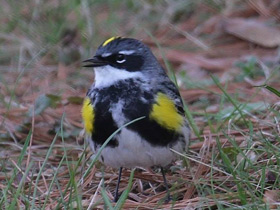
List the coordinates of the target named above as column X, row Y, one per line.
column 109, row 40
column 88, row 115
column 164, row 112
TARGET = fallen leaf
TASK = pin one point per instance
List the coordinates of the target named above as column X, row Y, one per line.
column 253, row 31
column 42, row 102
column 212, row 64
column 272, row 198
column 271, row 177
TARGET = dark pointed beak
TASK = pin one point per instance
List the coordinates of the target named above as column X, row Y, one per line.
column 96, row 61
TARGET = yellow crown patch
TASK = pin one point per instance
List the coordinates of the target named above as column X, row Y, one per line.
column 109, row 40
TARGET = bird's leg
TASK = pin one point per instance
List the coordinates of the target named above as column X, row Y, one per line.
column 168, row 197
column 117, row 187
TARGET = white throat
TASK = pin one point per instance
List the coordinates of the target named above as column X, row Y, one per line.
column 108, row 75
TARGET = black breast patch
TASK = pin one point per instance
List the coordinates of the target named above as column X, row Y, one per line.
column 104, row 125
column 138, row 103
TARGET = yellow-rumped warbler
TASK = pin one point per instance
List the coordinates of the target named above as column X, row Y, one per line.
column 130, row 83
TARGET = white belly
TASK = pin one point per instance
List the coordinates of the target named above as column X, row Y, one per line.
column 133, row 151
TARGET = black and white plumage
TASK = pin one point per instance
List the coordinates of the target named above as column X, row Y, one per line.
column 130, row 83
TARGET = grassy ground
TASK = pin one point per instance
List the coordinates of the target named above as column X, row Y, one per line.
column 226, row 67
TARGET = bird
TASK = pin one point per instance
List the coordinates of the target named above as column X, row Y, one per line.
column 130, row 83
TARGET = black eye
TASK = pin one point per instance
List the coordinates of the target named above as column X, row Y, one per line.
column 120, row 58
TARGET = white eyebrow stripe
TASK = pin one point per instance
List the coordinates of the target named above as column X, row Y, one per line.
column 106, row 54
column 127, row 52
